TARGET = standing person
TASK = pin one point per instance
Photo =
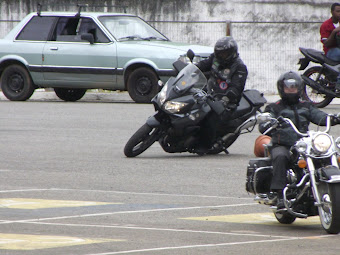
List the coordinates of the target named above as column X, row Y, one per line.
column 301, row 113
column 328, row 32
column 228, row 75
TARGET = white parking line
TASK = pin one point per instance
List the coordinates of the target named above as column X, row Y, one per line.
column 127, row 192
column 201, row 246
column 128, row 212
column 158, row 229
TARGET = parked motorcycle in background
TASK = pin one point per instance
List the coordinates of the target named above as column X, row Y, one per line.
column 320, row 81
column 313, row 182
column 180, row 109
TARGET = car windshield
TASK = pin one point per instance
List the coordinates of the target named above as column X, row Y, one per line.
column 130, row 28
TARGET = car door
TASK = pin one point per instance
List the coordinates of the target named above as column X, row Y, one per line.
column 69, row 60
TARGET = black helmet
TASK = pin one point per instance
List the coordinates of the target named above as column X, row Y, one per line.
column 290, row 81
column 225, row 49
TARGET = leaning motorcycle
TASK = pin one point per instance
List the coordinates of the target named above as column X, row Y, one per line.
column 313, row 181
column 180, row 109
column 320, row 81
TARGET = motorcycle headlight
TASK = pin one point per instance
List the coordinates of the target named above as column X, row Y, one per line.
column 162, row 94
column 337, row 142
column 301, row 146
column 174, row 107
column 321, row 143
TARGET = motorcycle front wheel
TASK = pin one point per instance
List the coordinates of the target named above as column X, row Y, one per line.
column 312, row 95
column 144, row 137
column 329, row 211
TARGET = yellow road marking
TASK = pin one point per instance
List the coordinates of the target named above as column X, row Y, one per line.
column 254, row 218
column 28, row 203
column 34, row 242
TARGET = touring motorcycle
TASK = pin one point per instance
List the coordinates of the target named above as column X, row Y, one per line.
column 313, row 181
column 180, row 109
column 320, row 81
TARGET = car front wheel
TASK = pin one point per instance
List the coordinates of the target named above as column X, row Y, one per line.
column 142, row 85
column 16, row 83
column 70, row 95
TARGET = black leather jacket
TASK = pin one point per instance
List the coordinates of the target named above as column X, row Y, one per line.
column 225, row 78
column 301, row 114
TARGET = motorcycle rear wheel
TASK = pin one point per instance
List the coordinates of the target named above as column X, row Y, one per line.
column 285, row 218
column 329, row 211
column 144, row 137
column 309, row 94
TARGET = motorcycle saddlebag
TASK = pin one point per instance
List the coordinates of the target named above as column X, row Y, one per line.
column 254, row 97
column 259, row 182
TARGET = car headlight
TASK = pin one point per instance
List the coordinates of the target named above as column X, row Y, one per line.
column 174, row 107
column 162, row 94
column 321, row 143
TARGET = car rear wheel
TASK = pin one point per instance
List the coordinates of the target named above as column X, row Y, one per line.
column 70, row 95
column 142, row 85
column 16, row 83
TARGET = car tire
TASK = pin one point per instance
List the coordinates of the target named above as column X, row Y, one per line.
column 16, row 83
column 142, row 85
column 68, row 94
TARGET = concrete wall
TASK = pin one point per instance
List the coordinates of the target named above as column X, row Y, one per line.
column 265, row 30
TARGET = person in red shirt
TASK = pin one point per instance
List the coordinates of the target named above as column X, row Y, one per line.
column 328, row 31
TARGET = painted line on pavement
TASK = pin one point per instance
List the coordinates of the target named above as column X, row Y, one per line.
column 255, row 218
column 128, row 212
column 157, row 229
column 33, row 203
column 127, row 192
column 35, row 242
column 203, row 246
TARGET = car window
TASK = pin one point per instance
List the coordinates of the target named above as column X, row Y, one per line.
column 130, row 28
column 70, row 29
column 37, row 29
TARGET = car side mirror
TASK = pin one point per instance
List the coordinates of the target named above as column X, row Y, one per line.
column 88, row 37
column 190, row 54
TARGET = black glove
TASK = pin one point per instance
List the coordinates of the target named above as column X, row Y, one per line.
column 263, row 127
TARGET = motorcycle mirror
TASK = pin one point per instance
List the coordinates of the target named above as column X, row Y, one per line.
column 190, row 55
column 264, row 117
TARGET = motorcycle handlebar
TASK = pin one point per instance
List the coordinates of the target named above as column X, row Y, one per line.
column 281, row 120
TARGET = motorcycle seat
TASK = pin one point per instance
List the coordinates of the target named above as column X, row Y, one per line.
column 243, row 108
column 318, row 56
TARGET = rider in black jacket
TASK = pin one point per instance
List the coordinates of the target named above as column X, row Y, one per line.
column 226, row 83
column 301, row 113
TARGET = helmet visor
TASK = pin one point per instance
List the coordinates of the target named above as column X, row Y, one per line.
column 291, row 86
column 223, row 54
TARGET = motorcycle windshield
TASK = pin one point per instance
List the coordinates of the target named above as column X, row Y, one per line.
column 190, row 76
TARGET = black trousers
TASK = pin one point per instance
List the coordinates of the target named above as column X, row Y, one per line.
column 281, row 163
column 212, row 126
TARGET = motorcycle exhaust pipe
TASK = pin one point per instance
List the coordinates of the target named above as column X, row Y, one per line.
column 317, row 87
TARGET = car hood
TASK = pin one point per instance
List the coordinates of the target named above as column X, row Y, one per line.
column 182, row 48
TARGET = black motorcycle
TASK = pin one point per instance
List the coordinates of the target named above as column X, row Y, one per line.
column 313, row 181
column 320, row 81
column 181, row 108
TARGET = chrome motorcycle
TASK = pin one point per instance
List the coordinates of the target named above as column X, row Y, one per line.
column 313, row 181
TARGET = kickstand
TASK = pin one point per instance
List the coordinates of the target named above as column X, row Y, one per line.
column 226, row 151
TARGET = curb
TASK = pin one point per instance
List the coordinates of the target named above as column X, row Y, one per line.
column 115, row 96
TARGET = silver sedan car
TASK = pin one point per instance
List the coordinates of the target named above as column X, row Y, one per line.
column 74, row 52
